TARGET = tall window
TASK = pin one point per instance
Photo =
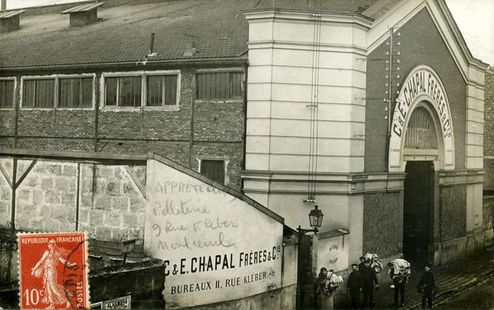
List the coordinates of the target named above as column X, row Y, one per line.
column 219, row 85
column 38, row 93
column 126, row 91
column 75, row 92
column 6, row 94
column 214, row 170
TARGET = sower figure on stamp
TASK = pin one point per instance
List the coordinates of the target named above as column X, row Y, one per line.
column 369, row 282
column 354, row 284
column 426, row 287
column 46, row 267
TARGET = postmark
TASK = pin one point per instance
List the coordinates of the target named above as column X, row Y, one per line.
column 53, row 271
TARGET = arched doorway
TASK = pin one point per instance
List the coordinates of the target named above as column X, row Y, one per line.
column 421, row 151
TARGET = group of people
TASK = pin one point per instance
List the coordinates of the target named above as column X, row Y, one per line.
column 363, row 281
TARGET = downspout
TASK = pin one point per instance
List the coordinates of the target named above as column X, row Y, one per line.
column 97, row 97
column 77, row 204
column 192, row 112
column 14, row 187
column 17, row 102
column 244, row 134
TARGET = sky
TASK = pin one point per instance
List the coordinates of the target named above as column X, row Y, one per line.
column 474, row 18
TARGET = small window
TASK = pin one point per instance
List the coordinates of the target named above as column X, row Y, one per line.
column 161, row 90
column 123, row 91
column 214, row 170
column 219, row 85
column 75, row 92
column 38, row 93
column 6, row 94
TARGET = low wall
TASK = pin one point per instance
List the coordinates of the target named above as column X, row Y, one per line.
column 488, row 220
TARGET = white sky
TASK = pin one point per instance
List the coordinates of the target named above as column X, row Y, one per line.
column 475, row 18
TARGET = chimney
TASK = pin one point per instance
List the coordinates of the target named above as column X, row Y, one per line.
column 83, row 15
column 9, row 20
column 3, row 5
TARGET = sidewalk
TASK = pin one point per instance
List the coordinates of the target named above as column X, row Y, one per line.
column 450, row 279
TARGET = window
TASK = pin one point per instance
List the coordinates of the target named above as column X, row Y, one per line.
column 7, row 94
column 75, row 92
column 219, row 85
column 57, row 91
column 143, row 89
column 161, row 90
column 214, row 170
column 39, row 93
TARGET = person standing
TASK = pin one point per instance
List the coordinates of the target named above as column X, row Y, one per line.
column 399, row 272
column 354, row 283
column 323, row 301
column 362, row 263
column 426, row 287
column 369, row 282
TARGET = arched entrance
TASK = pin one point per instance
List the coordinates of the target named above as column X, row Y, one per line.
column 420, row 153
column 421, row 144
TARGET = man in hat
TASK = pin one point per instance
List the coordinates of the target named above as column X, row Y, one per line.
column 361, row 264
column 369, row 282
column 426, row 287
column 353, row 284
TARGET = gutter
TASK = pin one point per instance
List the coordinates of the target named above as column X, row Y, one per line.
column 234, row 61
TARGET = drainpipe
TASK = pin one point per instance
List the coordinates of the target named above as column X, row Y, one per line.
column 3, row 5
column 244, row 134
column 14, row 187
column 192, row 112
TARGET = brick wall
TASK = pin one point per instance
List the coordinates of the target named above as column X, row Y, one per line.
column 168, row 133
column 453, row 210
column 383, row 224
column 420, row 43
column 489, row 131
column 106, row 198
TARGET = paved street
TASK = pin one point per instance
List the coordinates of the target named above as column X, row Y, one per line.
column 477, row 297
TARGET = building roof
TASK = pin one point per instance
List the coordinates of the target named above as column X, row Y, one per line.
column 217, row 29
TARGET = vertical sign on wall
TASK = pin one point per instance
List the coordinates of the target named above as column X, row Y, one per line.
column 216, row 247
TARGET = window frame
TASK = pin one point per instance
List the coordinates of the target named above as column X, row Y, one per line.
column 225, row 165
column 10, row 78
column 143, row 105
column 221, row 70
column 56, row 87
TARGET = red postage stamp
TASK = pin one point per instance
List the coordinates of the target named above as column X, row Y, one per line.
column 52, row 271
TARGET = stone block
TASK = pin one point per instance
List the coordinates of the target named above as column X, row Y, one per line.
column 119, row 234
column 112, row 219
column 37, row 197
column 54, row 169
column 60, row 213
column 113, row 188
column 103, row 233
column 137, row 204
column 50, row 225
column 68, row 199
column 31, row 181
column 120, row 203
column 44, row 211
column 130, row 220
column 87, row 185
column 90, row 231
column 52, row 197
column 84, row 216
column 96, row 218
column 69, row 171
column 5, row 193
column 40, row 168
column 102, row 202
column 87, row 170
column 24, row 195
column 62, row 183
column 67, row 226
column 119, row 172
column 100, row 186
column 86, row 200
column 46, row 183
column 128, row 188
column 103, row 171
column 36, row 223
column 141, row 219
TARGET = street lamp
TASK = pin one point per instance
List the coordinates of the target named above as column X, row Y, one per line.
column 315, row 221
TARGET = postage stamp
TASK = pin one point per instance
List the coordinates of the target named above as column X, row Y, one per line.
column 53, row 271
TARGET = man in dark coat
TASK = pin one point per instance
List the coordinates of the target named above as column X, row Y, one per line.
column 353, row 284
column 369, row 282
column 426, row 286
column 362, row 263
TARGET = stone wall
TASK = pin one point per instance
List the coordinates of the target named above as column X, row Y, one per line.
column 383, row 224
column 488, row 220
column 489, row 131
column 453, row 214
column 105, row 200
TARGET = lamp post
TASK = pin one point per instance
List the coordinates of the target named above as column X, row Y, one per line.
column 315, row 221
